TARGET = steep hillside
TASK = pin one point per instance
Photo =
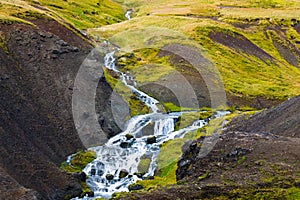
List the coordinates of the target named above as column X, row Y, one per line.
column 282, row 120
column 40, row 58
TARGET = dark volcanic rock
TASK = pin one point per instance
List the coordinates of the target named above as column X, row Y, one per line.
column 151, row 140
column 109, row 177
column 123, row 173
column 281, row 120
column 135, row 187
column 36, row 124
column 128, row 136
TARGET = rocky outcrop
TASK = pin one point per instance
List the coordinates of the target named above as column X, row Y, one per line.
column 37, row 72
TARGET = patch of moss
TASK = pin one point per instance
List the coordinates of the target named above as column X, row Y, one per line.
column 144, row 165
column 86, row 14
column 135, row 105
column 79, row 161
column 204, row 176
column 31, row 15
column 144, row 65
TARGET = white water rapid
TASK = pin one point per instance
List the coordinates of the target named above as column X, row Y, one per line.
column 116, row 165
column 127, row 14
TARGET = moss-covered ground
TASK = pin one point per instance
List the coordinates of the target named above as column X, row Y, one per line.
column 191, row 22
column 80, row 14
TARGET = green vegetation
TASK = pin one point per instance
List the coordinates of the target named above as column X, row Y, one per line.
column 80, row 14
column 188, row 118
column 135, row 105
column 144, row 65
column 191, row 22
column 86, row 13
column 79, row 161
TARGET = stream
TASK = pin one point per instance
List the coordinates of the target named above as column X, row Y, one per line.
column 116, row 165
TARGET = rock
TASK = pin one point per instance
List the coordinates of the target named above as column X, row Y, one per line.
column 56, row 51
column 238, row 152
column 151, row 140
column 90, row 194
column 62, row 43
column 123, row 173
column 139, row 174
column 109, row 177
column 135, row 186
column 128, row 136
column 93, row 171
column 80, row 176
column 125, row 144
column 75, row 49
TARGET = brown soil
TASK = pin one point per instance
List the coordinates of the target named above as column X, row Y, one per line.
column 282, row 120
column 240, row 43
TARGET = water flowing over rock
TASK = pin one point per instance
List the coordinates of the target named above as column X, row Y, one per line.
column 128, row 13
column 116, row 167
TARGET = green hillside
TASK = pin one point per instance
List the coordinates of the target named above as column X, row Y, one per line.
column 254, row 44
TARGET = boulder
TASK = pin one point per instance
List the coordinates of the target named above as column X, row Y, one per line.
column 151, row 140
column 123, row 173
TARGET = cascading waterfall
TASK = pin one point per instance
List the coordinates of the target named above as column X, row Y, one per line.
column 117, row 161
column 127, row 14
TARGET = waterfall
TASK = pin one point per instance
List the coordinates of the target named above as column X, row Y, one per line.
column 116, row 164
column 128, row 13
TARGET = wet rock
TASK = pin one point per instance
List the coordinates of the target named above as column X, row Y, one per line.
column 125, row 144
column 93, row 172
column 151, row 140
column 135, row 187
column 128, row 136
column 139, row 174
column 109, row 177
column 123, row 173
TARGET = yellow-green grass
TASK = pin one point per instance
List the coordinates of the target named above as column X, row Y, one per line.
column 188, row 118
column 135, row 105
column 145, row 66
column 81, row 14
column 207, row 7
column 79, row 161
column 243, row 75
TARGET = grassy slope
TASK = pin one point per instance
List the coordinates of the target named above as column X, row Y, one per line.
column 80, row 14
column 190, row 22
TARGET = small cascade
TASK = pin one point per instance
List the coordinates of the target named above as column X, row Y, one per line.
column 164, row 126
column 116, row 165
column 109, row 63
column 128, row 13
